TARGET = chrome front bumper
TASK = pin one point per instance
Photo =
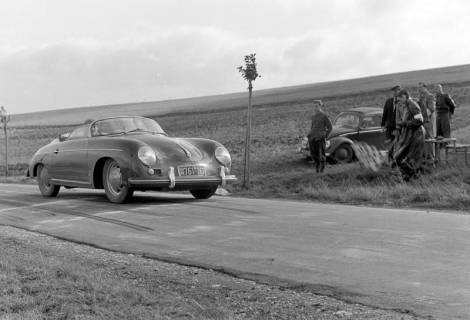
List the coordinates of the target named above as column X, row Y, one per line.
column 171, row 181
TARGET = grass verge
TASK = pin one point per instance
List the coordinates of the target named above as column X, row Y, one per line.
column 445, row 188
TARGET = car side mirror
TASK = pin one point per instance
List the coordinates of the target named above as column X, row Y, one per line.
column 64, row 136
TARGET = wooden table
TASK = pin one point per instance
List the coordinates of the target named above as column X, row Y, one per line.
column 447, row 143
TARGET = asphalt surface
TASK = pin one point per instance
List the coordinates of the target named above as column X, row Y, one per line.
column 414, row 261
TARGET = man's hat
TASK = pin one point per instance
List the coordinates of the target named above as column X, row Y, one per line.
column 397, row 87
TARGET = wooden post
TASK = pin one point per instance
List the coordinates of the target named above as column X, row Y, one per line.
column 5, row 118
column 246, row 171
column 6, row 146
column 249, row 73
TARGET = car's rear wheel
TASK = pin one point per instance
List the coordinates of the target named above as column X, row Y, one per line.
column 116, row 190
column 47, row 189
column 343, row 154
column 203, row 193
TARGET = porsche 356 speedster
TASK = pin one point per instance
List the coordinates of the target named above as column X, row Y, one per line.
column 124, row 154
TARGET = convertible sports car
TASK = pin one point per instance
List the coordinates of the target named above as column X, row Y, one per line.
column 358, row 124
column 123, row 154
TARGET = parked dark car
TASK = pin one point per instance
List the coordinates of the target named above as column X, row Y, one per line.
column 123, row 154
column 358, row 124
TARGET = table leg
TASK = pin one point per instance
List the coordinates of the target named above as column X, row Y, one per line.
column 438, row 152
column 466, row 150
column 447, row 155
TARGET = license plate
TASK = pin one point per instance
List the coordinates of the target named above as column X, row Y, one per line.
column 191, row 171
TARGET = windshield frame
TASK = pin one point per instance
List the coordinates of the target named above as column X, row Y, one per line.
column 130, row 127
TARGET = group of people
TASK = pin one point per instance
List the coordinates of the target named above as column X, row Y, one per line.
column 408, row 122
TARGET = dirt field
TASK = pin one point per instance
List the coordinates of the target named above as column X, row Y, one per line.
column 353, row 89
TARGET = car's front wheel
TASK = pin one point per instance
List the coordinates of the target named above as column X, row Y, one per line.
column 203, row 193
column 343, row 154
column 116, row 190
column 47, row 189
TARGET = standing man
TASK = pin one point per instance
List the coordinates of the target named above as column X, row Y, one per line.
column 389, row 114
column 428, row 106
column 445, row 107
column 389, row 119
column 319, row 131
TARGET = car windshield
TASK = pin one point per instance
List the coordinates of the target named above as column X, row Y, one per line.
column 125, row 125
column 347, row 120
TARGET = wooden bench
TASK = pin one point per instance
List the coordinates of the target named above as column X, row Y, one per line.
column 459, row 148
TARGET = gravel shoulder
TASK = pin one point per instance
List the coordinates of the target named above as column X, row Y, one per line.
column 42, row 277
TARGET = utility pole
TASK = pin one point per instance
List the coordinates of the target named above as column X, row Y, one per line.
column 249, row 73
column 5, row 118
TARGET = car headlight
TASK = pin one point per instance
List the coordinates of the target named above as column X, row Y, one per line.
column 223, row 156
column 147, row 156
column 328, row 143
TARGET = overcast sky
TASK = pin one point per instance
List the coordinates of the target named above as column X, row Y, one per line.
column 62, row 53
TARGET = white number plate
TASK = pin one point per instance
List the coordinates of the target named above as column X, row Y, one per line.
column 191, row 171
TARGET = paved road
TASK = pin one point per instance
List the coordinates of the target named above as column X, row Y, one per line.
column 397, row 259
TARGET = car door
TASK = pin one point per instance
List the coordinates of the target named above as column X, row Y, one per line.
column 70, row 158
column 371, row 133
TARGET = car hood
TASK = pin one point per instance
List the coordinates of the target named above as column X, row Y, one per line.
column 337, row 131
column 173, row 148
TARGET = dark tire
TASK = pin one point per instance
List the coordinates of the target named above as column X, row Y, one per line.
column 203, row 193
column 47, row 189
column 343, row 154
column 116, row 191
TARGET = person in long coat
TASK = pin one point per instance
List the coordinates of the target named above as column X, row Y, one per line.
column 409, row 150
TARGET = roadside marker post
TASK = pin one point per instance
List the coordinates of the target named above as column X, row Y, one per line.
column 5, row 118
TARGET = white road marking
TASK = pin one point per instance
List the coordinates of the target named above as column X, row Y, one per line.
column 190, row 230
column 107, row 213
column 33, row 205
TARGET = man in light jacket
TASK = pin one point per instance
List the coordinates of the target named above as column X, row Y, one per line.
column 427, row 104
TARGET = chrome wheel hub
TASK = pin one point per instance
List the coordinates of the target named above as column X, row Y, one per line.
column 114, row 180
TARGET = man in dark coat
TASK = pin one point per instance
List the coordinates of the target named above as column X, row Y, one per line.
column 320, row 129
column 389, row 120
column 409, row 149
column 445, row 107
column 389, row 114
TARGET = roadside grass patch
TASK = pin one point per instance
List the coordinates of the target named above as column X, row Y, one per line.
column 45, row 278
